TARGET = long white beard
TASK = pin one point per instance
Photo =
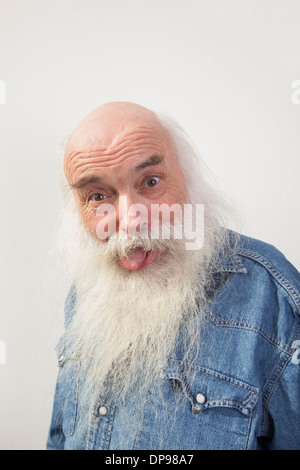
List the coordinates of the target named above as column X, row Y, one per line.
column 127, row 322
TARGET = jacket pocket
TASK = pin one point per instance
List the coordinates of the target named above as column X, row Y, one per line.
column 193, row 407
column 206, row 388
column 68, row 383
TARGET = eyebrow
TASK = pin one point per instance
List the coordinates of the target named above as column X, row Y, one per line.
column 87, row 180
column 154, row 160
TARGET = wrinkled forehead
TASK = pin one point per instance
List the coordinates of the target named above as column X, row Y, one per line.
column 108, row 130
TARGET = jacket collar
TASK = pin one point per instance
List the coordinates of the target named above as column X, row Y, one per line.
column 230, row 261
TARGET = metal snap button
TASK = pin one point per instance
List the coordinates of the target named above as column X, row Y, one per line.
column 102, row 410
column 200, row 398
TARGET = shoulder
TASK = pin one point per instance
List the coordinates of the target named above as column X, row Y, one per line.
column 264, row 261
column 260, row 292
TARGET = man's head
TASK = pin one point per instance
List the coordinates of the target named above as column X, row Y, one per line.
column 120, row 155
column 134, row 294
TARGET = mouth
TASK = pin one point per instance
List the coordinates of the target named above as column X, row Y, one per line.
column 138, row 259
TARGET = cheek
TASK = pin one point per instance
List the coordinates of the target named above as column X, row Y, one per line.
column 88, row 218
column 175, row 187
column 91, row 224
column 101, row 227
column 175, row 193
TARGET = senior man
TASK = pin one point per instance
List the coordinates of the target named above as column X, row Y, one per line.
column 179, row 334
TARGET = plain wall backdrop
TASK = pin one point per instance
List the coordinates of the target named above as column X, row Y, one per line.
column 225, row 69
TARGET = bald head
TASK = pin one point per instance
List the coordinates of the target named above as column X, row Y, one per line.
column 105, row 124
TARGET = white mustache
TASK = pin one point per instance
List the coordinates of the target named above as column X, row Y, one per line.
column 188, row 223
column 120, row 246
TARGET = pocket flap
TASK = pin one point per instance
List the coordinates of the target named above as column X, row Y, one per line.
column 206, row 388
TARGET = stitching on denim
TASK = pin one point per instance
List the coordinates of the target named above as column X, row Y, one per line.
column 224, row 403
column 276, row 274
column 233, row 265
column 219, row 402
column 74, row 415
column 216, row 377
column 90, row 432
column 220, row 322
column 137, row 437
column 89, row 437
column 91, row 428
column 270, row 387
column 183, row 377
column 248, row 430
column 185, row 368
column 108, row 428
column 216, row 402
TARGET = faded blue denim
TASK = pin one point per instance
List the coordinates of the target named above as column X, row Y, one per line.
column 247, row 372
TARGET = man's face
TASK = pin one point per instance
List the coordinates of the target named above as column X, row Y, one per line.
column 127, row 317
column 122, row 156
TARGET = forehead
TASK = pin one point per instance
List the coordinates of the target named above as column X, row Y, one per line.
column 116, row 144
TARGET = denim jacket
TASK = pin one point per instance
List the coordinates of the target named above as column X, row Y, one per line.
column 241, row 392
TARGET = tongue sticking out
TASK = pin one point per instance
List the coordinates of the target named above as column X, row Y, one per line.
column 137, row 259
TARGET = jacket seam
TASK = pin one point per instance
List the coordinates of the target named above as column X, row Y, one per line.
column 220, row 322
column 270, row 387
column 273, row 380
column 281, row 279
column 248, row 430
column 137, row 436
column 216, row 376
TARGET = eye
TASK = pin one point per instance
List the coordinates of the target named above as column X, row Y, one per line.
column 151, row 181
column 96, row 198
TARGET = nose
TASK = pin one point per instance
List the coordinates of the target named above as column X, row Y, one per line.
column 132, row 216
